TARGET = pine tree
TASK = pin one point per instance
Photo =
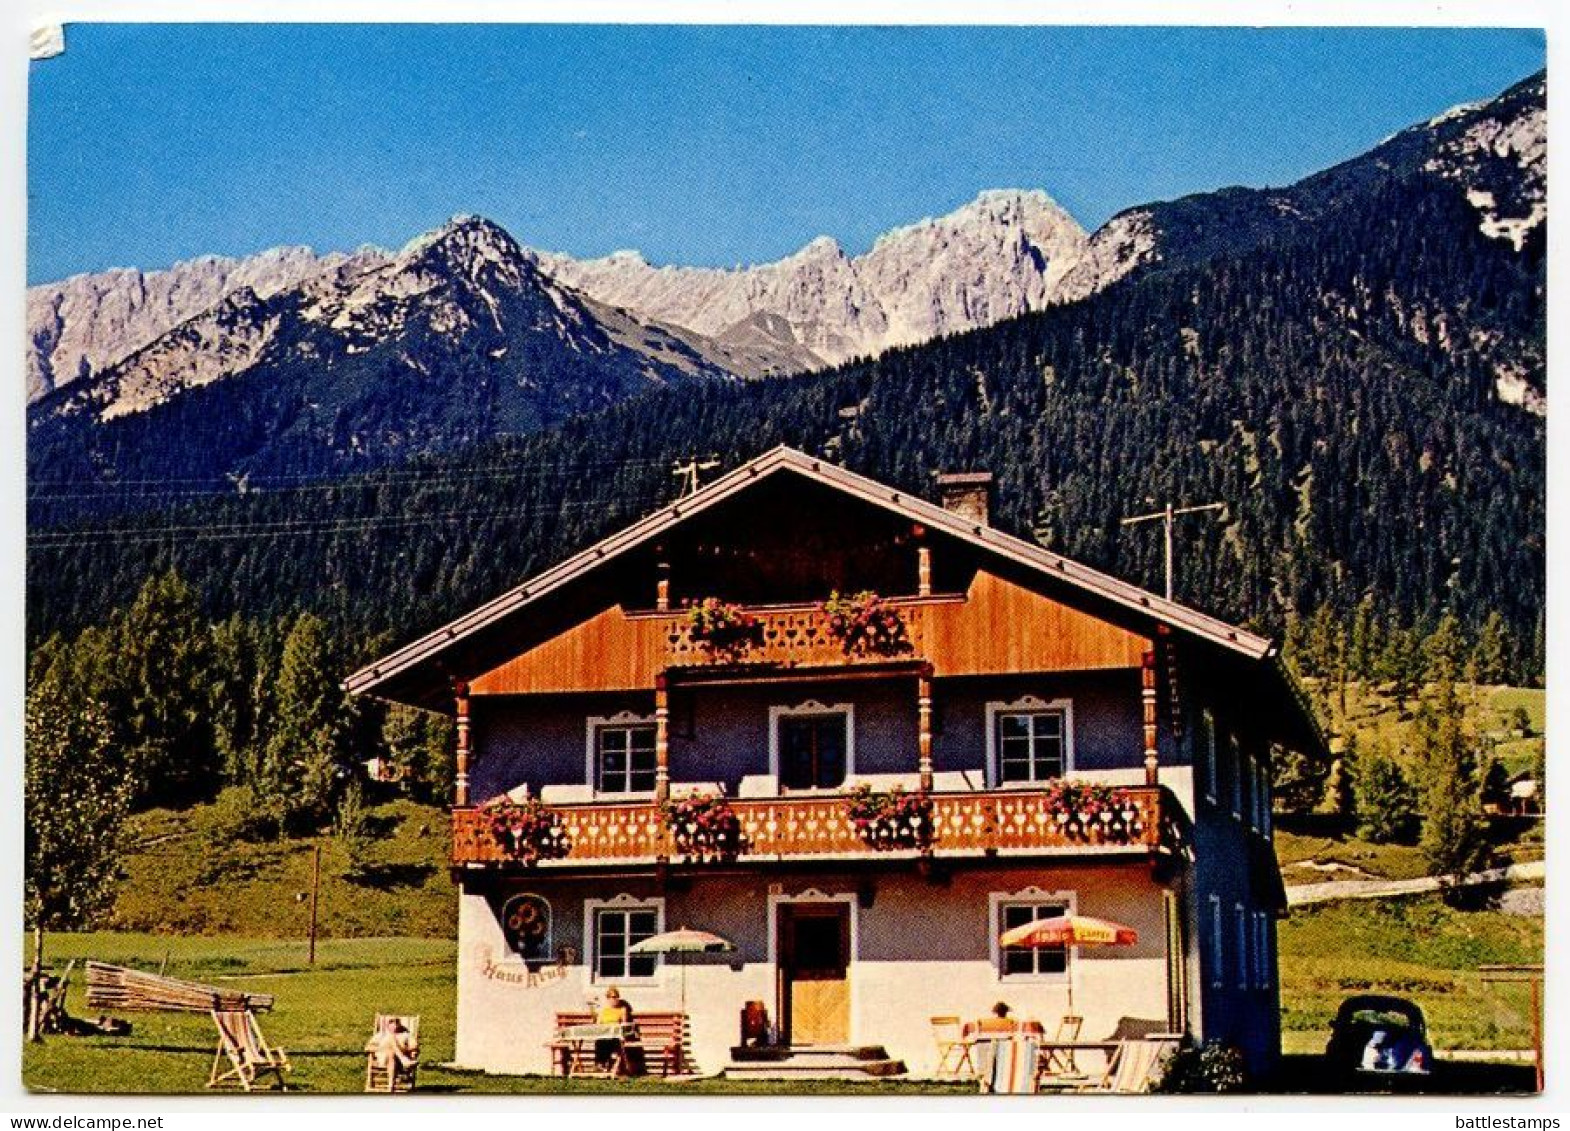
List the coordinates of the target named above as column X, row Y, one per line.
column 1492, row 652
column 1454, row 840
column 232, row 702
column 308, row 758
column 1402, row 664
column 1366, row 643
column 1496, row 785
column 1444, row 651
column 419, row 744
column 1386, row 801
column 154, row 669
column 1341, row 783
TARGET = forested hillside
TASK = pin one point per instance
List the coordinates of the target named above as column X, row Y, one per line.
column 1336, row 387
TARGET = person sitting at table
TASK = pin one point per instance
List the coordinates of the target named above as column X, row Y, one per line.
column 999, row 1022
column 616, row 1011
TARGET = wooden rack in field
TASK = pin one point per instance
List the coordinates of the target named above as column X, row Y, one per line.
column 122, row 988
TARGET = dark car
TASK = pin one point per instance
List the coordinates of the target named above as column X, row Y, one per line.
column 1380, row 1035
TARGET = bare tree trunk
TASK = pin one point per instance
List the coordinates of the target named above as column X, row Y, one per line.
column 35, row 986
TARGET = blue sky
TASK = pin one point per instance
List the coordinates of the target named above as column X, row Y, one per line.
column 153, row 143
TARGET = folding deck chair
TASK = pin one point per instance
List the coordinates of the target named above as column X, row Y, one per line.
column 1137, row 1063
column 953, row 1048
column 392, row 1055
column 241, row 1043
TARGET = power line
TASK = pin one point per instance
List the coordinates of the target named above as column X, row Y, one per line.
column 208, row 532
column 307, row 482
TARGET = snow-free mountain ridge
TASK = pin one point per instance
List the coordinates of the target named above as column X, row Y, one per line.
column 124, row 341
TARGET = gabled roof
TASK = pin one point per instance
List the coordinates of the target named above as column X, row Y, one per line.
column 430, row 648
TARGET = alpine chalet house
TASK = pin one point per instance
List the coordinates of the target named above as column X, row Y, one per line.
column 858, row 736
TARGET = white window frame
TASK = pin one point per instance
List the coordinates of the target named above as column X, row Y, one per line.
column 1264, row 792
column 591, row 938
column 1068, row 900
column 1240, row 918
column 1239, row 759
column 1029, row 704
column 812, row 707
column 1218, row 958
column 1207, row 722
column 591, row 749
column 1261, row 951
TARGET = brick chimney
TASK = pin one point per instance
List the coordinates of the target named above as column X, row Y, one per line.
column 967, row 493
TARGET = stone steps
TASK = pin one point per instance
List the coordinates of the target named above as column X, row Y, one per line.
column 812, row 1062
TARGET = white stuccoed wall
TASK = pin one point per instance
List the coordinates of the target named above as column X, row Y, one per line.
column 919, row 950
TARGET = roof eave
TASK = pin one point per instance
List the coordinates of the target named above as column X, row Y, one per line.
column 1131, row 597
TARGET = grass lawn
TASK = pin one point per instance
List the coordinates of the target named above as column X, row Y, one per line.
column 1414, row 947
column 190, row 871
column 1385, row 861
column 322, row 1019
column 1378, row 722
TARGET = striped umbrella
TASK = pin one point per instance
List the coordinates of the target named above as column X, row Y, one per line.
column 1068, row 930
column 682, row 941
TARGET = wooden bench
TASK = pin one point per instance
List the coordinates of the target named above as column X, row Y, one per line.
column 663, row 1037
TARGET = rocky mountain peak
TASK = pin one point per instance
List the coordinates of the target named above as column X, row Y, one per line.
column 819, row 249
column 994, row 257
column 87, row 323
column 467, row 245
column 1497, row 151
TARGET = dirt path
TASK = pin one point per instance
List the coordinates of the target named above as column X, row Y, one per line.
column 1301, row 894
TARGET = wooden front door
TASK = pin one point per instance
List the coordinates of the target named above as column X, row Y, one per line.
column 814, row 973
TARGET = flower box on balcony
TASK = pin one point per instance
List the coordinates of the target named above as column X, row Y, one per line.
column 1094, row 813
column 865, row 624
column 704, row 828
column 722, row 629
column 891, row 820
column 527, row 831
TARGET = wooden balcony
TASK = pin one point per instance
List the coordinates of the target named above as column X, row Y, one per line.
column 818, row 827
column 788, row 636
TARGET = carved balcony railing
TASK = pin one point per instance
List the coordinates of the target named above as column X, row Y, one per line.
column 1003, row 821
column 790, row 636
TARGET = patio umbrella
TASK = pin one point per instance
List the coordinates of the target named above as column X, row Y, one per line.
column 1068, row 930
column 682, row 942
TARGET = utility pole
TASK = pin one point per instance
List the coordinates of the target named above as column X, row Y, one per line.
column 1166, row 515
column 688, row 473
column 316, row 884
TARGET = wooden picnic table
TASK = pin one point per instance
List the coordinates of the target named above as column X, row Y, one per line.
column 571, row 1039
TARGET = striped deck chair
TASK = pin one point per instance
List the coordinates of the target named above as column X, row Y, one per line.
column 1137, row 1063
column 1007, row 1064
column 250, row 1057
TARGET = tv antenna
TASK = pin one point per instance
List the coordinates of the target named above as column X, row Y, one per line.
column 1166, row 515
column 688, row 474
